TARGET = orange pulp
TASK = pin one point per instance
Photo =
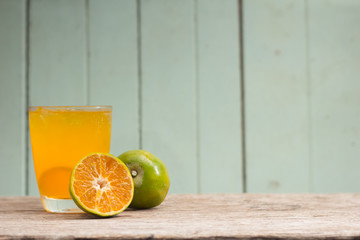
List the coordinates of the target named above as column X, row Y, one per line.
column 102, row 185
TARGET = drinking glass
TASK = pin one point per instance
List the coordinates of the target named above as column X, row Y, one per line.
column 60, row 137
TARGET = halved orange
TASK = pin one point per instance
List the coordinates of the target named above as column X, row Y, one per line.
column 102, row 185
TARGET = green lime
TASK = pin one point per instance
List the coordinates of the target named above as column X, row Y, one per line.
column 151, row 179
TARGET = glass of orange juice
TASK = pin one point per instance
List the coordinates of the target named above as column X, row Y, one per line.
column 60, row 137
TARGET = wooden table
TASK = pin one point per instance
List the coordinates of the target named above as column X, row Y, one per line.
column 237, row 216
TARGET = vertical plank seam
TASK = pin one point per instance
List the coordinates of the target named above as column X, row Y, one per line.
column 27, row 97
column 87, row 54
column 308, row 77
column 197, row 96
column 242, row 96
column 139, row 60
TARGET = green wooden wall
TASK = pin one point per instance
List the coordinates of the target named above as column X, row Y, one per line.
column 234, row 96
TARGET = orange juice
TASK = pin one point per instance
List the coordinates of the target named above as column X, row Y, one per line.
column 61, row 137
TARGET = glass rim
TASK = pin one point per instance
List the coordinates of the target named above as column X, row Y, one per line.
column 73, row 108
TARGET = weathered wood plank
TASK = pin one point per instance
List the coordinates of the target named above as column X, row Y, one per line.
column 334, row 43
column 113, row 68
column 12, row 97
column 231, row 216
column 220, row 151
column 58, row 69
column 168, row 88
column 276, row 96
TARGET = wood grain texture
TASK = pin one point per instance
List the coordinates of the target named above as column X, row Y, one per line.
column 58, row 66
column 113, row 68
column 219, row 122
column 276, row 96
column 168, row 88
column 235, row 216
column 334, row 42
column 12, row 97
